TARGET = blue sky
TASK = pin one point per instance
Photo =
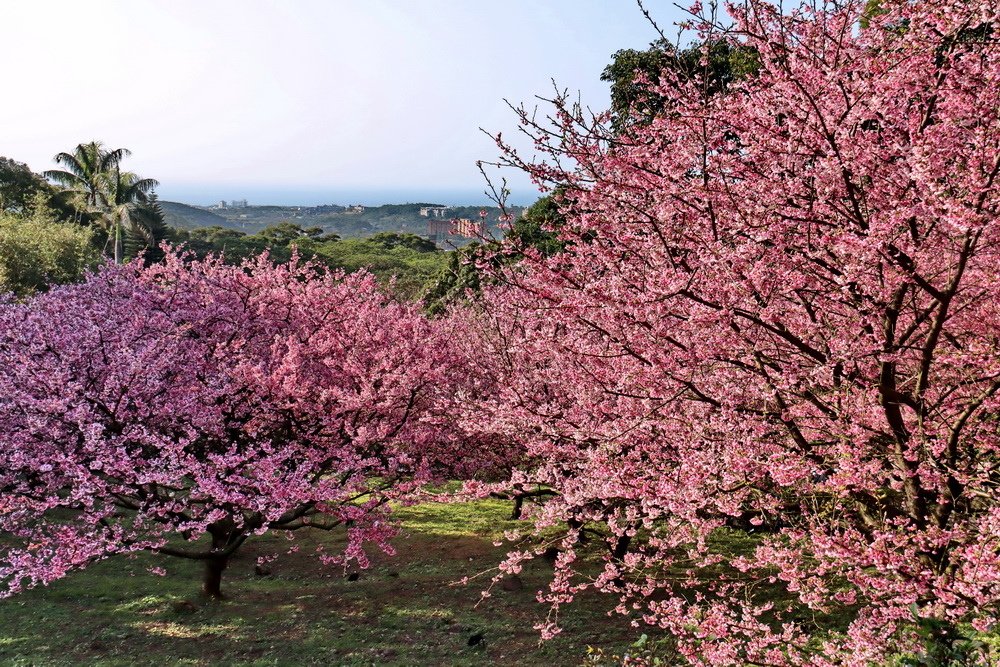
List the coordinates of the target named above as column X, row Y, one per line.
column 300, row 99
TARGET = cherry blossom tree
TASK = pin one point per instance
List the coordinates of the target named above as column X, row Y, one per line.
column 763, row 376
column 189, row 406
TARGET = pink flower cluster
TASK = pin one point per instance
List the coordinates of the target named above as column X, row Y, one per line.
column 777, row 316
column 194, row 397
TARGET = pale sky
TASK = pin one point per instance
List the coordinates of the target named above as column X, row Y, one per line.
column 299, row 99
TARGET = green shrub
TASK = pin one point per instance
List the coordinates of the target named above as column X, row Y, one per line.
column 37, row 252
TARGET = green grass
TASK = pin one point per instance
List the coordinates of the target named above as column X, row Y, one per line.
column 409, row 609
column 405, row 610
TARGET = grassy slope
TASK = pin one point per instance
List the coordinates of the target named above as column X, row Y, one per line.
column 403, row 611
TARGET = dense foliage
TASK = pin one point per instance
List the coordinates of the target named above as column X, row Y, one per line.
column 776, row 316
column 38, row 251
column 150, row 407
column 635, row 76
column 20, row 187
column 409, row 262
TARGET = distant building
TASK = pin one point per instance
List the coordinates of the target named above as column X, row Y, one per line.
column 470, row 229
column 433, row 211
column 440, row 231
column 238, row 203
column 355, row 208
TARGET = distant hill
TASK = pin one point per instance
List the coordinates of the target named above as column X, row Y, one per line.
column 183, row 216
column 345, row 221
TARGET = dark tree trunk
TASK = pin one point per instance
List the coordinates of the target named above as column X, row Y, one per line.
column 213, row 576
column 620, row 549
column 618, row 553
column 221, row 532
column 576, row 524
column 518, row 507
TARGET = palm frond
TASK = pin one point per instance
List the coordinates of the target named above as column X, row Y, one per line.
column 145, row 185
column 72, row 164
column 67, row 178
column 111, row 159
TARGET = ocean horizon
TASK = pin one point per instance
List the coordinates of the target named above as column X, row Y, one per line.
column 208, row 195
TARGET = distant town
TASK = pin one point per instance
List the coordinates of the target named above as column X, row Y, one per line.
column 446, row 226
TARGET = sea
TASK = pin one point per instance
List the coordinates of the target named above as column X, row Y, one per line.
column 207, row 195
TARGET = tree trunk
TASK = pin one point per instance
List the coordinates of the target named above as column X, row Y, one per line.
column 213, row 576
column 118, row 243
column 618, row 553
column 221, row 532
column 515, row 513
column 620, row 549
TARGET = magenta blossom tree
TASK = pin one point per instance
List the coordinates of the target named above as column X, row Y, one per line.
column 187, row 407
column 764, row 377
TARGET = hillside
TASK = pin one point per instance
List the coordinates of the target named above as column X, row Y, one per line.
column 183, row 216
column 347, row 222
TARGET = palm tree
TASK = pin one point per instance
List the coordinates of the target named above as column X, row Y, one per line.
column 131, row 209
column 85, row 169
column 123, row 202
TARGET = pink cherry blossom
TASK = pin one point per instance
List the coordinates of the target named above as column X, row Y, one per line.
column 776, row 321
column 148, row 408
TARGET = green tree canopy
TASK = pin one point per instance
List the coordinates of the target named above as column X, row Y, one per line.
column 39, row 251
column 391, row 240
column 634, row 75
column 536, row 228
column 19, row 186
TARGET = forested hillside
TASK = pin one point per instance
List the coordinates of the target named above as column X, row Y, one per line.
column 184, row 216
column 345, row 221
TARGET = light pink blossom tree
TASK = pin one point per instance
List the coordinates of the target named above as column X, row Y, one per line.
column 187, row 407
column 776, row 317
